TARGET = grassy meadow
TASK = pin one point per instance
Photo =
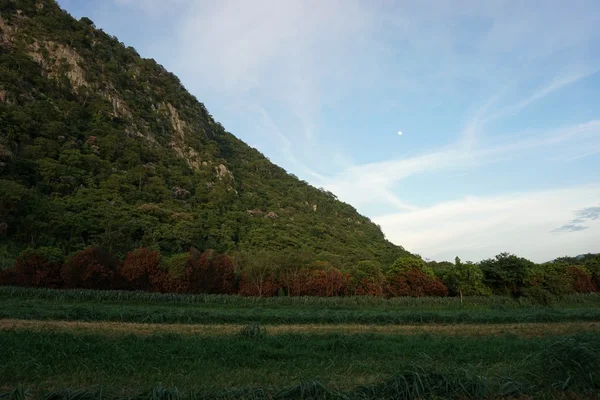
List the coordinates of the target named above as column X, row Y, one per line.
column 91, row 344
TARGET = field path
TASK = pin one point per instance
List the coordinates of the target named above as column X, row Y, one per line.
column 124, row 328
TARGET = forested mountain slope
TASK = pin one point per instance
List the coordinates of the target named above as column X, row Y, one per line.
column 99, row 146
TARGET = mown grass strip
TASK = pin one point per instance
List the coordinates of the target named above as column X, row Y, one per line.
column 531, row 330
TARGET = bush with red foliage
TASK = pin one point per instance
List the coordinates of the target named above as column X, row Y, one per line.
column 175, row 280
column 209, row 272
column 367, row 287
column 8, row 277
column 92, row 268
column 141, row 269
column 581, row 280
column 415, row 283
column 319, row 282
column 255, row 285
column 38, row 268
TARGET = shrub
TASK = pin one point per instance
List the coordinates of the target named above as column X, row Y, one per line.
column 39, row 267
column 552, row 277
column 8, row 277
column 366, row 279
column 366, row 287
column 92, row 268
column 415, row 283
column 322, row 283
column 141, row 270
column 539, row 295
column 581, row 281
column 259, row 285
column 408, row 262
column 507, row 274
column 174, row 268
column 209, row 272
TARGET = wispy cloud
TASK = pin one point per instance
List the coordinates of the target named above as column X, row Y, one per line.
column 571, row 228
column 581, row 216
column 541, row 92
column 589, row 213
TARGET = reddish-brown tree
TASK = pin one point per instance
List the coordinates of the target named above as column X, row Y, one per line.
column 209, row 272
column 319, row 282
column 92, row 268
column 8, row 276
column 581, row 281
column 39, row 268
column 367, row 287
column 141, row 270
column 258, row 285
column 415, row 283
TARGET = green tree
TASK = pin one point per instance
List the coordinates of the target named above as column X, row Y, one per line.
column 552, row 277
column 408, row 262
column 507, row 274
column 465, row 279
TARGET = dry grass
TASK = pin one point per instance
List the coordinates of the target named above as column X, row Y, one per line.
column 124, row 328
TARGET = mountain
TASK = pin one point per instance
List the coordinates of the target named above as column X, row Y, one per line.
column 99, row 146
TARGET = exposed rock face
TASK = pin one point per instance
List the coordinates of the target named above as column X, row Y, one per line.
column 52, row 56
column 223, row 172
column 180, row 193
column 179, row 126
column 253, row 213
column 120, row 108
column 6, row 32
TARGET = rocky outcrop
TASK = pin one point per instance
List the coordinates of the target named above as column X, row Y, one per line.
column 223, row 172
column 52, row 56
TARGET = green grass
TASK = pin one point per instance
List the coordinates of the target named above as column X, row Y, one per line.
column 377, row 364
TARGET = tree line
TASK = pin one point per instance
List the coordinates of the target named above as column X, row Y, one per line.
column 266, row 274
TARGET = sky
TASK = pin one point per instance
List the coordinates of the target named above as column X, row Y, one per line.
column 498, row 103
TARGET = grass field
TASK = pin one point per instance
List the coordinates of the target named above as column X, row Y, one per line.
column 92, row 345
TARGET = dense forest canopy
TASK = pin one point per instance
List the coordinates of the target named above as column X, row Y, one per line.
column 101, row 147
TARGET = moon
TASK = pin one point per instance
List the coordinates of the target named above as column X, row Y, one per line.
column 399, row 133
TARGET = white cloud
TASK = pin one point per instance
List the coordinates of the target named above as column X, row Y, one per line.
column 399, row 133
column 479, row 227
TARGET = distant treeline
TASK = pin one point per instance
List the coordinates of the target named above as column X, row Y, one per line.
column 269, row 274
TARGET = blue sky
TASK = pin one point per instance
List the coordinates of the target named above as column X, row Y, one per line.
column 498, row 102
